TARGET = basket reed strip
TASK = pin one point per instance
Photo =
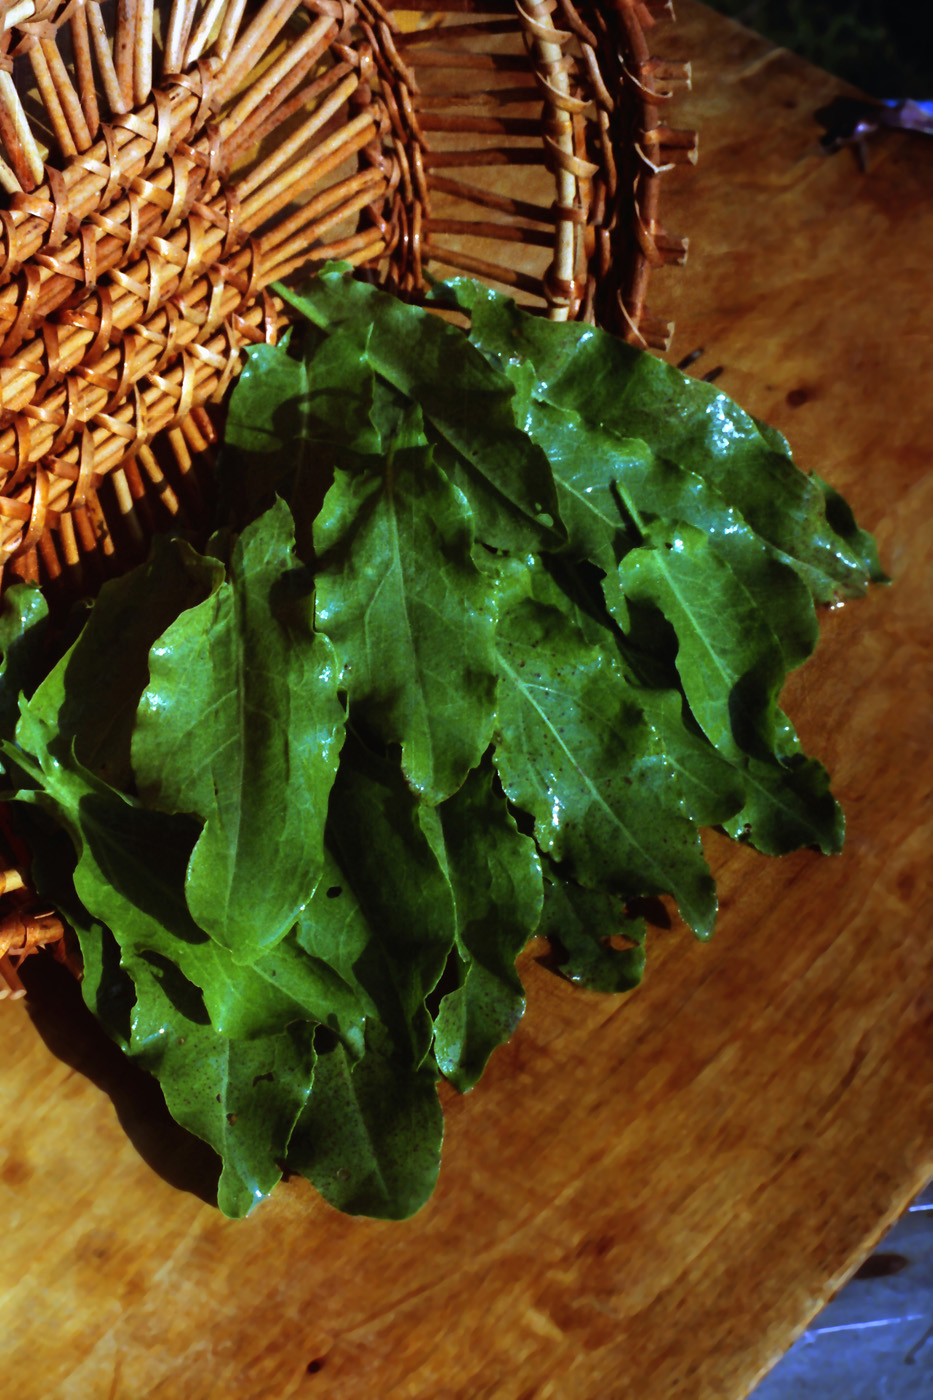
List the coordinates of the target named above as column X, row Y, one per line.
column 61, row 481
column 65, row 483
column 569, row 55
column 90, row 185
column 10, row 984
column 20, row 934
column 560, row 108
column 150, row 208
column 137, row 296
column 125, row 63
column 46, row 428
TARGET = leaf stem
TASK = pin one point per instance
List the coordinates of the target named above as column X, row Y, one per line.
column 301, row 304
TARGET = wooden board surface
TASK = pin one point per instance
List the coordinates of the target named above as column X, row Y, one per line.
column 648, row 1196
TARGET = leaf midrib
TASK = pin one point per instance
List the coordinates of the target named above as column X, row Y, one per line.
column 524, row 690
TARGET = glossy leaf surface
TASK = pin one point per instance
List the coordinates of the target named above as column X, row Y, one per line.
column 410, row 615
column 304, row 800
column 241, row 725
column 573, row 748
column 495, row 875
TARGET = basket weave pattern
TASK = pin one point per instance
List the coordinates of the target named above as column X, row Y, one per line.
column 157, row 186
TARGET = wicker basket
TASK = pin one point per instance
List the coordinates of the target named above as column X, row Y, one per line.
column 164, row 165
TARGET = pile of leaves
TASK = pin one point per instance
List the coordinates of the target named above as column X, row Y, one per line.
column 494, row 623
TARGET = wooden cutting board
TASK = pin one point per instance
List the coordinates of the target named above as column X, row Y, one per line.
column 647, row 1196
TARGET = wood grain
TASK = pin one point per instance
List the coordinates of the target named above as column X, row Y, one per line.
column 648, row 1196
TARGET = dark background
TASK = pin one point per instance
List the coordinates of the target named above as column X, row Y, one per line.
column 884, row 47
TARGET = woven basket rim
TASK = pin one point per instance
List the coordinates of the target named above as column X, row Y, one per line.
column 136, row 260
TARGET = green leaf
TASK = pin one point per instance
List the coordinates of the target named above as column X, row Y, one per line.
column 130, row 874
column 107, row 989
column 410, row 616
column 267, row 412
column 495, row 874
column 370, row 1135
column 634, row 395
column 128, row 615
column 788, row 801
column 241, row 725
column 383, row 916
column 280, row 988
column 709, row 789
column 297, row 409
column 241, row 1097
column 728, row 656
column 131, row 861
column 23, row 630
column 731, row 667
column 321, row 389
column 466, row 402
column 593, row 929
column 609, row 485
column 840, row 516
column 268, row 403
column 574, row 749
